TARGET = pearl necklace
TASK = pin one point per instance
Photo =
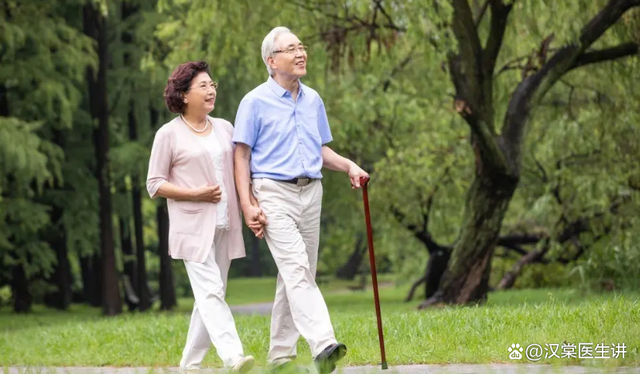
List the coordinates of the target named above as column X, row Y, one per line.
column 206, row 124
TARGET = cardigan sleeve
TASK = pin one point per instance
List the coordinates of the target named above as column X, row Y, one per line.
column 229, row 127
column 159, row 162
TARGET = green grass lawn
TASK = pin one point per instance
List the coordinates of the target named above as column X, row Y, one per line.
column 81, row 337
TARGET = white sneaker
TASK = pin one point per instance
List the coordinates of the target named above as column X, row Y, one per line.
column 243, row 365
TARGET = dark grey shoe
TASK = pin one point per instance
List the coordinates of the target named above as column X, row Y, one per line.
column 326, row 360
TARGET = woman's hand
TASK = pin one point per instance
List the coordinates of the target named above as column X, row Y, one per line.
column 255, row 219
column 209, row 194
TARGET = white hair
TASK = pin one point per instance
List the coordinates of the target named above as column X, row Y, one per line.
column 269, row 44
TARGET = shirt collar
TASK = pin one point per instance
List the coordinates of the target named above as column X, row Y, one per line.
column 279, row 90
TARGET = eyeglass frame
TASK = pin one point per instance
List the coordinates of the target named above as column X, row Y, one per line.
column 215, row 86
column 291, row 50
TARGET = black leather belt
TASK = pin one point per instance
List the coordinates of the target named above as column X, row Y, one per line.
column 300, row 182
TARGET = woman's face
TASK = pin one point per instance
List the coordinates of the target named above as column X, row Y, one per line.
column 202, row 94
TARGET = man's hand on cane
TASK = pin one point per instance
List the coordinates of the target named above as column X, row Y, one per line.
column 356, row 174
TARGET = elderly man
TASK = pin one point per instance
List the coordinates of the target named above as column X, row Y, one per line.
column 281, row 132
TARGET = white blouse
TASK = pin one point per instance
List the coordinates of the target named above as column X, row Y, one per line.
column 210, row 142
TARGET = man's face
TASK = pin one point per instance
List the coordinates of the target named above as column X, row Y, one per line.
column 290, row 57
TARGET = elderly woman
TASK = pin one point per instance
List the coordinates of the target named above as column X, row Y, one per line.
column 191, row 165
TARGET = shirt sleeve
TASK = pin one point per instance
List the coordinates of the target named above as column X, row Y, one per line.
column 245, row 127
column 323, row 123
column 159, row 162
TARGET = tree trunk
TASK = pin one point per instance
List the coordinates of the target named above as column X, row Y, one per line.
column 466, row 279
column 22, row 299
column 95, row 26
column 167, row 287
column 414, row 287
column 350, row 269
column 91, row 268
column 61, row 278
column 142, row 286
column 437, row 264
column 129, row 264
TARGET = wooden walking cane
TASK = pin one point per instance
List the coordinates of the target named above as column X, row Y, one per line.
column 365, row 196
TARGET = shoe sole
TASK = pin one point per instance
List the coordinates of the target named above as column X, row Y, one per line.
column 246, row 367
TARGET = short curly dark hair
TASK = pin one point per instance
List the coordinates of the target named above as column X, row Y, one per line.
column 179, row 82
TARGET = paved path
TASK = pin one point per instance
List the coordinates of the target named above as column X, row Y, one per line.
column 407, row 369
column 262, row 308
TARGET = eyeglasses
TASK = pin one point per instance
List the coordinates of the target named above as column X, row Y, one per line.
column 204, row 86
column 300, row 48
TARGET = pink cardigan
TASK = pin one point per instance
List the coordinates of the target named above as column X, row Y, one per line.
column 177, row 156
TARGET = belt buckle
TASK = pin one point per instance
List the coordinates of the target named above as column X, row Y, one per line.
column 301, row 182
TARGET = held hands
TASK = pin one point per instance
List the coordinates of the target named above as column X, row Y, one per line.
column 210, row 194
column 357, row 175
column 255, row 219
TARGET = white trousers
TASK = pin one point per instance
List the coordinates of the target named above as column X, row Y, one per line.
column 293, row 234
column 211, row 320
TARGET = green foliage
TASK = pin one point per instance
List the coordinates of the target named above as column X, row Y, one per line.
column 42, row 67
column 612, row 264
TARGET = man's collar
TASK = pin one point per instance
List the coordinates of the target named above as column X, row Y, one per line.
column 279, row 90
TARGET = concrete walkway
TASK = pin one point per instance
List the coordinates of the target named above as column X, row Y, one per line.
column 261, row 308
column 405, row 369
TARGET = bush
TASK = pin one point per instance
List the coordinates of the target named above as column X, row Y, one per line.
column 613, row 264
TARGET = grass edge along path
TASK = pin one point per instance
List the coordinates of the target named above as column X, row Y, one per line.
column 449, row 335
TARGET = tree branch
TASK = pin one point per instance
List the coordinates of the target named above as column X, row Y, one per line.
column 513, row 240
column 390, row 23
column 420, row 234
column 516, row 248
column 607, row 54
column 483, row 10
column 533, row 88
column 499, row 16
column 473, row 89
column 470, row 49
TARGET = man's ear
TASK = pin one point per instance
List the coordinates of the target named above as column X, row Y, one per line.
column 271, row 61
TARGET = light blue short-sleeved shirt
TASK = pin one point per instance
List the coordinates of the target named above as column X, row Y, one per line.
column 285, row 137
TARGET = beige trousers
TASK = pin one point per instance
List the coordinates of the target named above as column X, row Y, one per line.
column 211, row 320
column 293, row 234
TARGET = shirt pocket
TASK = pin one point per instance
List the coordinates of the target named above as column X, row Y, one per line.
column 188, row 219
column 311, row 125
column 271, row 125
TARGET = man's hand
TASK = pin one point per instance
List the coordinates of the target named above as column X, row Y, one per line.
column 355, row 173
column 255, row 219
column 210, row 194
